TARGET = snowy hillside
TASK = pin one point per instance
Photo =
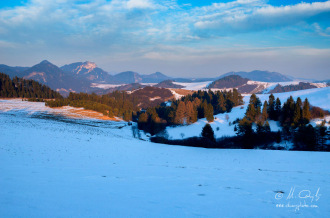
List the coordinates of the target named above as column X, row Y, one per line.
column 270, row 86
column 17, row 105
column 258, row 87
column 194, row 85
column 57, row 167
column 318, row 97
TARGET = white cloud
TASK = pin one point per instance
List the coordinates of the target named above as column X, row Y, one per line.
column 320, row 31
column 231, row 17
column 139, row 4
column 161, row 32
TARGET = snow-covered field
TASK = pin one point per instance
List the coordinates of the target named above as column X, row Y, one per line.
column 194, row 85
column 52, row 166
column 318, row 97
column 110, row 86
column 31, row 107
column 105, row 86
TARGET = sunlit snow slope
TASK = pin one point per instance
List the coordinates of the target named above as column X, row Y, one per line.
column 52, row 166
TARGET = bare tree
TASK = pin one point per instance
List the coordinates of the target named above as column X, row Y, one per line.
column 227, row 117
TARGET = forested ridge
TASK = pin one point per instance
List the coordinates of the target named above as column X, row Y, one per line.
column 253, row 130
column 188, row 109
column 291, row 88
column 119, row 104
column 22, row 88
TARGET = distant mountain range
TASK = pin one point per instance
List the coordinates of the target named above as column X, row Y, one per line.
column 82, row 77
column 52, row 76
column 77, row 76
column 247, row 86
column 262, row 76
column 12, row 71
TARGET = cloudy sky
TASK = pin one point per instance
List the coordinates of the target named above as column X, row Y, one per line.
column 177, row 37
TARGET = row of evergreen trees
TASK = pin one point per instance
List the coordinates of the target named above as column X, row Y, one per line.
column 187, row 110
column 293, row 116
column 119, row 104
column 293, row 113
column 22, row 88
column 294, row 122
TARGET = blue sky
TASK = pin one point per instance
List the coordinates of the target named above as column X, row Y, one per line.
column 176, row 37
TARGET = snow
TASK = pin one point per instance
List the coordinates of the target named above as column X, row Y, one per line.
column 271, row 86
column 33, row 107
column 194, row 85
column 320, row 85
column 318, row 97
column 220, row 122
column 56, row 167
column 90, row 66
column 168, row 103
column 148, row 84
column 105, row 86
column 110, row 86
column 319, row 121
column 155, row 98
column 176, row 95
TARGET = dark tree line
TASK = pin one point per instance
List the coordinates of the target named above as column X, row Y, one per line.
column 187, row 110
column 119, row 104
column 22, row 88
column 294, row 118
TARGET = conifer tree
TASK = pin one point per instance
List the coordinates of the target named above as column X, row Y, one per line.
column 277, row 111
column 180, row 115
column 258, row 116
column 237, row 98
column 271, row 107
column 264, row 111
column 297, row 114
column 191, row 112
column 299, row 102
column 202, row 109
column 267, row 127
column 306, row 114
column 229, row 105
column 221, row 104
column 208, row 132
column 246, row 132
column 260, row 127
column 255, row 101
column 127, row 116
column 209, row 113
column 142, row 121
column 251, row 112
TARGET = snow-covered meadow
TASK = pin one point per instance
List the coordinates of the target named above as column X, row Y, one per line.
column 52, row 166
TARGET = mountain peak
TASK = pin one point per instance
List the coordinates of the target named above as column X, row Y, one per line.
column 158, row 73
column 89, row 65
column 45, row 62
